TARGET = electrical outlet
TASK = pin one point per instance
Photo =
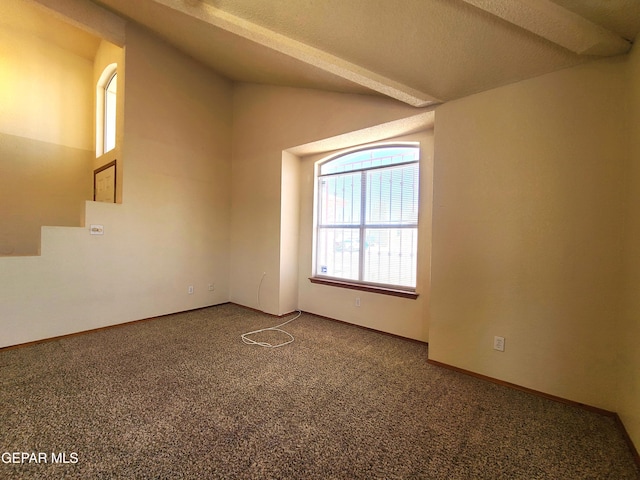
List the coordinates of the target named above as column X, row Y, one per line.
column 357, row 301
column 190, row 289
column 498, row 343
column 212, row 287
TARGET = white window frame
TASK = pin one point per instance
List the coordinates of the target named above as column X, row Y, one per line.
column 105, row 119
column 362, row 225
column 110, row 113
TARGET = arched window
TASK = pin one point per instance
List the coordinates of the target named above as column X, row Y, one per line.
column 367, row 217
column 106, row 110
column 110, row 113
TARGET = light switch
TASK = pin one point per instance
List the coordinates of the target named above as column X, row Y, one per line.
column 97, row 230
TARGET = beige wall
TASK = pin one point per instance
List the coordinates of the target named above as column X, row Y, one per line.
column 527, row 232
column 170, row 232
column 289, row 231
column 628, row 338
column 45, row 139
column 41, row 183
column 267, row 121
column 46, row 92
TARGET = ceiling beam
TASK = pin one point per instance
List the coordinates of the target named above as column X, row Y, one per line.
column 300, row 51
column 88, row 17
column 556, row 24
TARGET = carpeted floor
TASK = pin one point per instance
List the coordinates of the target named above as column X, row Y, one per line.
column 182, row 397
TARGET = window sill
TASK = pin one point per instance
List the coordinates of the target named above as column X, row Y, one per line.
column 364, row 288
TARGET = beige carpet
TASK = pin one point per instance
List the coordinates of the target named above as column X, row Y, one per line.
column 182, row 397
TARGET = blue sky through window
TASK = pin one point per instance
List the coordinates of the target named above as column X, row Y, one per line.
column 376, row 157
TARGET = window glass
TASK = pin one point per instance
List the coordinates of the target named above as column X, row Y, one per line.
column 367, row 219
column 110, row 113
column 374, row 157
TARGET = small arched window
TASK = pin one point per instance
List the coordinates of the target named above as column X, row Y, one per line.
column 110, row 113
column 107, row 89
column 367, row 217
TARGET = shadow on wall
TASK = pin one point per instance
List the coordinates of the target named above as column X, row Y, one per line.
column 41, row 184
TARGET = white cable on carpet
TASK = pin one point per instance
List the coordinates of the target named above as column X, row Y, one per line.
column 249, row 341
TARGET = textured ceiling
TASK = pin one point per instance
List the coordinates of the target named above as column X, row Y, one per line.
column 418, row 51
column 233, row 56
column 442, row 47
column 619, row 16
